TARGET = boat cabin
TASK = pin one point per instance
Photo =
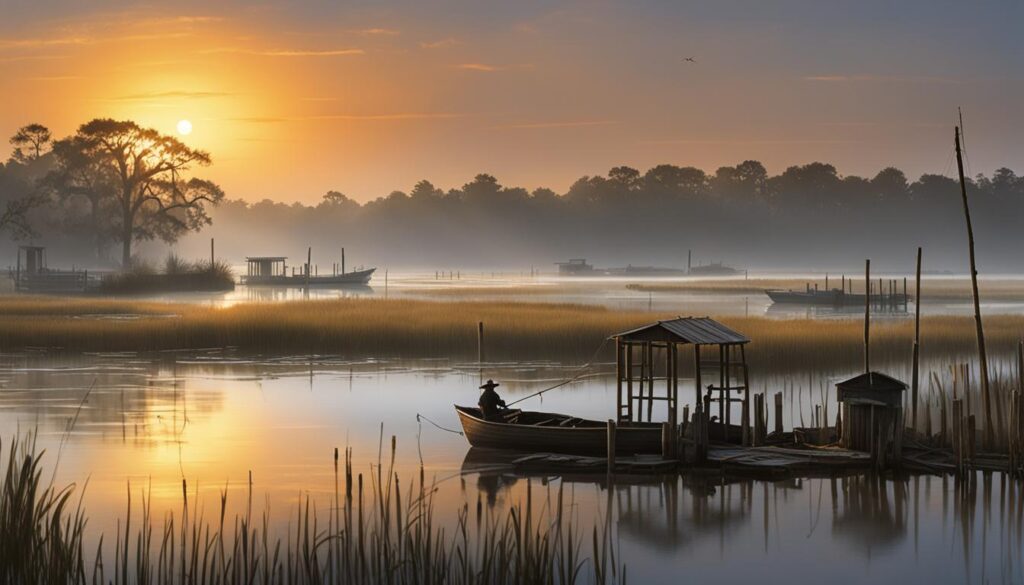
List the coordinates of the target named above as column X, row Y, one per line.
column 265, row 266
column 872, row 414
column 574, row 266
column 648, row 357
column 35, row 260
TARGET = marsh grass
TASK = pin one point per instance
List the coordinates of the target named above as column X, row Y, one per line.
column 415, row 328
column 178, row 274
column 375, row 531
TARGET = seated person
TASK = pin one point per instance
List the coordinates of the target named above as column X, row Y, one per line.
column 490, row 402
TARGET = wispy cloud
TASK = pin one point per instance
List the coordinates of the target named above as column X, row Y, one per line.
column 870, row 78
column 54, row 78
column 388, row 32
column 286, row 52
column 81, row 40
column 32, row 58
column 441, row 43
column 353, row 117
column 557, row 124
column 741, row 142
column 158, row 95
column 483, row 67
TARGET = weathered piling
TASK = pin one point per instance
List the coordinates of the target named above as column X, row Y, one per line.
column 611, row 446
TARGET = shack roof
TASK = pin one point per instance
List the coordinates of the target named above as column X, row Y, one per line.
column 874, row 381
column 695, row 330
column 265, row 258
column 872, row 389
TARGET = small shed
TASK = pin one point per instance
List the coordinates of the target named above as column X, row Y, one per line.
column 638, row 366
column 872, row 407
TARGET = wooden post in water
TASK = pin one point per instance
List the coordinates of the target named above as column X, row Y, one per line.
column 343, row 260
column 916, row 372
column 480, row 342
column 867, row 318
column 211, row 254
column 974, row 288
column 778, row 412
column 611, row 447
column 309, row 261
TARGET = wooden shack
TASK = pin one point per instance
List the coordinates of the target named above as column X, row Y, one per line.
column 648, row 358
column 872, row 415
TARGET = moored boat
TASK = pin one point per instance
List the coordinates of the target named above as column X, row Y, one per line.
column 549, row 432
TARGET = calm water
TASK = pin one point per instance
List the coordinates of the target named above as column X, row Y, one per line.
column 149, row 421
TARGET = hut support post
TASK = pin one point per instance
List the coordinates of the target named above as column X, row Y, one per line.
column 696, row 373
column 618, row 380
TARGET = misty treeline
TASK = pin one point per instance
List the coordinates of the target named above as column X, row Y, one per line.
column 808, row 216
column 110, row 184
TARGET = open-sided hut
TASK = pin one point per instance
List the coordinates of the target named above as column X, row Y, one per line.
column 872, row 407
column 648, row 357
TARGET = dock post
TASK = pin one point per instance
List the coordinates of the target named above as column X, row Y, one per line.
column 666, row 441
column 916, row 367
column 611, row 447
column 211, row 254
column 480, row 342
column 778, row 412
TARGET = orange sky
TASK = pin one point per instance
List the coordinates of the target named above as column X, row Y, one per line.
column 293, row 99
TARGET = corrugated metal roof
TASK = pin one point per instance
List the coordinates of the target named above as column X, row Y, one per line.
column 695, row 330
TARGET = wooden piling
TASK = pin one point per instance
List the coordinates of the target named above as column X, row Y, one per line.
column 916, row 368
column 667, row 452
column 611, row 447
column 867, row 316
column 480, row 342
column 778, row 413
column 983, row 358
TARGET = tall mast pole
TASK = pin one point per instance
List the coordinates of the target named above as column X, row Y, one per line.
column 986, row 404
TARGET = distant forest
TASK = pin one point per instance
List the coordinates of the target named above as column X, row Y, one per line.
column 807, row 217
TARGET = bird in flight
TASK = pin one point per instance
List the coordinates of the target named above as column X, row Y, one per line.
column 690, row 59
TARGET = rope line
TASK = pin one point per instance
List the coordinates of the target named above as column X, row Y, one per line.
column 576, row 376
column 420, row 417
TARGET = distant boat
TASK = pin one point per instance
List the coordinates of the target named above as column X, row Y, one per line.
column 714, row 269
column 834, row 297
column 358, row 277
column 631, row 270
column 815, row 297
column 574, row 267
column 550, row 432
column 272, row 271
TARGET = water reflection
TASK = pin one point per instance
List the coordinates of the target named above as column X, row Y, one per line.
column 214, row 417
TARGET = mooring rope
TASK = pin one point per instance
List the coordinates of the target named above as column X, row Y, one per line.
column 576, row 376
column 420, row 416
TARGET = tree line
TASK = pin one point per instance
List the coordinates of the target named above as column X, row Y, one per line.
column 806, row 215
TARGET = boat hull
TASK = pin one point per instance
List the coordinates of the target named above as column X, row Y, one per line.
column 585, row 438
column 359, row 277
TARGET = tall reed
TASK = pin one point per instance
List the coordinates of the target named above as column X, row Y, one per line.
column 375, row 531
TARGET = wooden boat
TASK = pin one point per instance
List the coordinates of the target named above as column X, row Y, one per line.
column 550, row 432
column 358, row 277
column 834, row 297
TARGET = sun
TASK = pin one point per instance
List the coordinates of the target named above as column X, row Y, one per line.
column 184, row 127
